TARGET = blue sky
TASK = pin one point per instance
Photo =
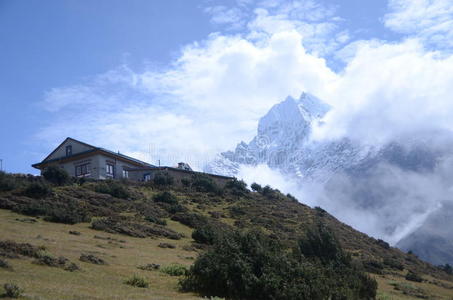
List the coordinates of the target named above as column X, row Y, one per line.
column 183, row 80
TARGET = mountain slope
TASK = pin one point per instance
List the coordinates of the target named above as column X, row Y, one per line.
column 153, row 224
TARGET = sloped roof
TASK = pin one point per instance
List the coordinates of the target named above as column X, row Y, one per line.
column 84, row 153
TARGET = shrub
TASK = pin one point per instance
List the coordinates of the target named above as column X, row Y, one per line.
column 137, row 281
column 383, row 244
column 113, row 188
column 127, row 226
column 165, row 197
column 166, row 245
column 7, row 182
column 254, row 266
column 174, row 270
column 256, row 187
column 204, row 183
column 89, row 258
column 69, row 212
column 393, row 263
column 268, row 192
column 320, row 211
column 156, row 220
column 4, row 264
column 149, row 267
column 56, row 175
column 192, row 220
column 37, row 190
column 163, row 179
column 373, row 266
column 237, row 187
column 321, row 244
column 412, row 276
column 207, row 234
column 292, row 198
column 447, row 269
column 12, row 290
column 71, row 267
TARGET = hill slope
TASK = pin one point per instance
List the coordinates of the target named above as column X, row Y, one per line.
column 152, row 224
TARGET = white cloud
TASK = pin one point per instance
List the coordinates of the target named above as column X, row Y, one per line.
column 389, row 90
column 210, row 98
column 431, row 20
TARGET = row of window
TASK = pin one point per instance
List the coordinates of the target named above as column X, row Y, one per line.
column 85, row 170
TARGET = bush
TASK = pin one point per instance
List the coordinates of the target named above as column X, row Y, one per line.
column 237, row 187
column 163, row 179
column 37, row 190
column 383, row 244
column 320, row 211
column 90, row 258
column 113, row 188
column 56, row 175
column 447, row 269
column 4, row 264
column 166, row 245
column 207, row 234
column 137, row 281
column 256, row 187
column 253, row 266
column 204, row 183
column 7, row 182
column 373, row 266
column 174, row 270
column 412, row 276
column 12, row 290
column 156, row 220
column 393, row 263
column 149, row 267
column 321, row 244
column 69, row 212
column 165, row 197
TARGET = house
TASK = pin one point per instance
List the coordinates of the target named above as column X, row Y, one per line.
column 80, row 159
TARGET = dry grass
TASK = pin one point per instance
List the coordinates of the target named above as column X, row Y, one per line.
column 93, row 281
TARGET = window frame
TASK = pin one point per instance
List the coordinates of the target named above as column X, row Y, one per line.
column 110, row 169
column 83, row 170
column 69, row 150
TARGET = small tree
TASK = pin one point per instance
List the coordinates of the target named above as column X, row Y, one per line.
column 56, row 175
column 448, row 269
column 256, row 187
column 163, row 179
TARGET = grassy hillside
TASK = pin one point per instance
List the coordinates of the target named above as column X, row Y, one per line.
column 84, row 240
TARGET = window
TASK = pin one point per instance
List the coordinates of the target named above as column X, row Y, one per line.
column 68, row 150
column 82, row 170
column 110, row 169
column 147, row 177
column 125, row 174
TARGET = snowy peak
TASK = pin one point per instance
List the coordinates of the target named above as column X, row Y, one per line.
column 312, row 106
column 292, row 114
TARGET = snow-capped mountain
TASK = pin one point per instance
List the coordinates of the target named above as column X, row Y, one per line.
column 389, row 191
column 283, row 142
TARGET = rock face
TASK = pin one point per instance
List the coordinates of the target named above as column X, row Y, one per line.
column 392, row 191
